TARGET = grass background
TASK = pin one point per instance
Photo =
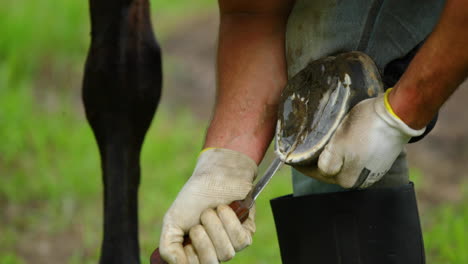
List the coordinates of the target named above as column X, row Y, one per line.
column 50, row 186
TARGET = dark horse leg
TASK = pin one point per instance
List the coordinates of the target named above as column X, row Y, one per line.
column 121, row 90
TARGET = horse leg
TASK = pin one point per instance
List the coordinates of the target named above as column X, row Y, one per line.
column 121, row 90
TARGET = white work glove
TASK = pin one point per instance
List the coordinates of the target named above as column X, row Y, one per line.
column 201, row 209
column 364, row 146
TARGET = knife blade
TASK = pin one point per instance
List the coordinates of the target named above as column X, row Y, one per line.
column 241, row 207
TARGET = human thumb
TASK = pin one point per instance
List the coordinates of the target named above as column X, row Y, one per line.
column 330, row 161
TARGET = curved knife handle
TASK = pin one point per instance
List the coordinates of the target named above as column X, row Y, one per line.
column 238, row 207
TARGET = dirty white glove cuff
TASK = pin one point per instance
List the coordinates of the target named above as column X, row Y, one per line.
column 228, row 157
column 222, row 173
column 385, row 112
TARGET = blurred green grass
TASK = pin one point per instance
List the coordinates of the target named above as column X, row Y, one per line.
column 51, row 179
column 50, row 182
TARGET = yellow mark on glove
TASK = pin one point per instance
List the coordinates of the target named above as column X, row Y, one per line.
column 205, row 149
column 388, row 106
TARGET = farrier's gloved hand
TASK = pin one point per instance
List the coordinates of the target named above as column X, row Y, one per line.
column 200, row 209
column 364, row 146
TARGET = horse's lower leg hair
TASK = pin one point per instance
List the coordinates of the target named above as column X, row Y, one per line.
column 121, row 90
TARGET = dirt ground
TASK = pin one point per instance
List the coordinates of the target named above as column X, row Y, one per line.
column 189, row 66
column 442, row 157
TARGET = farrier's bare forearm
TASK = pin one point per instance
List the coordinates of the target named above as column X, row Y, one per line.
column 251, row 72
column 437, row 69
